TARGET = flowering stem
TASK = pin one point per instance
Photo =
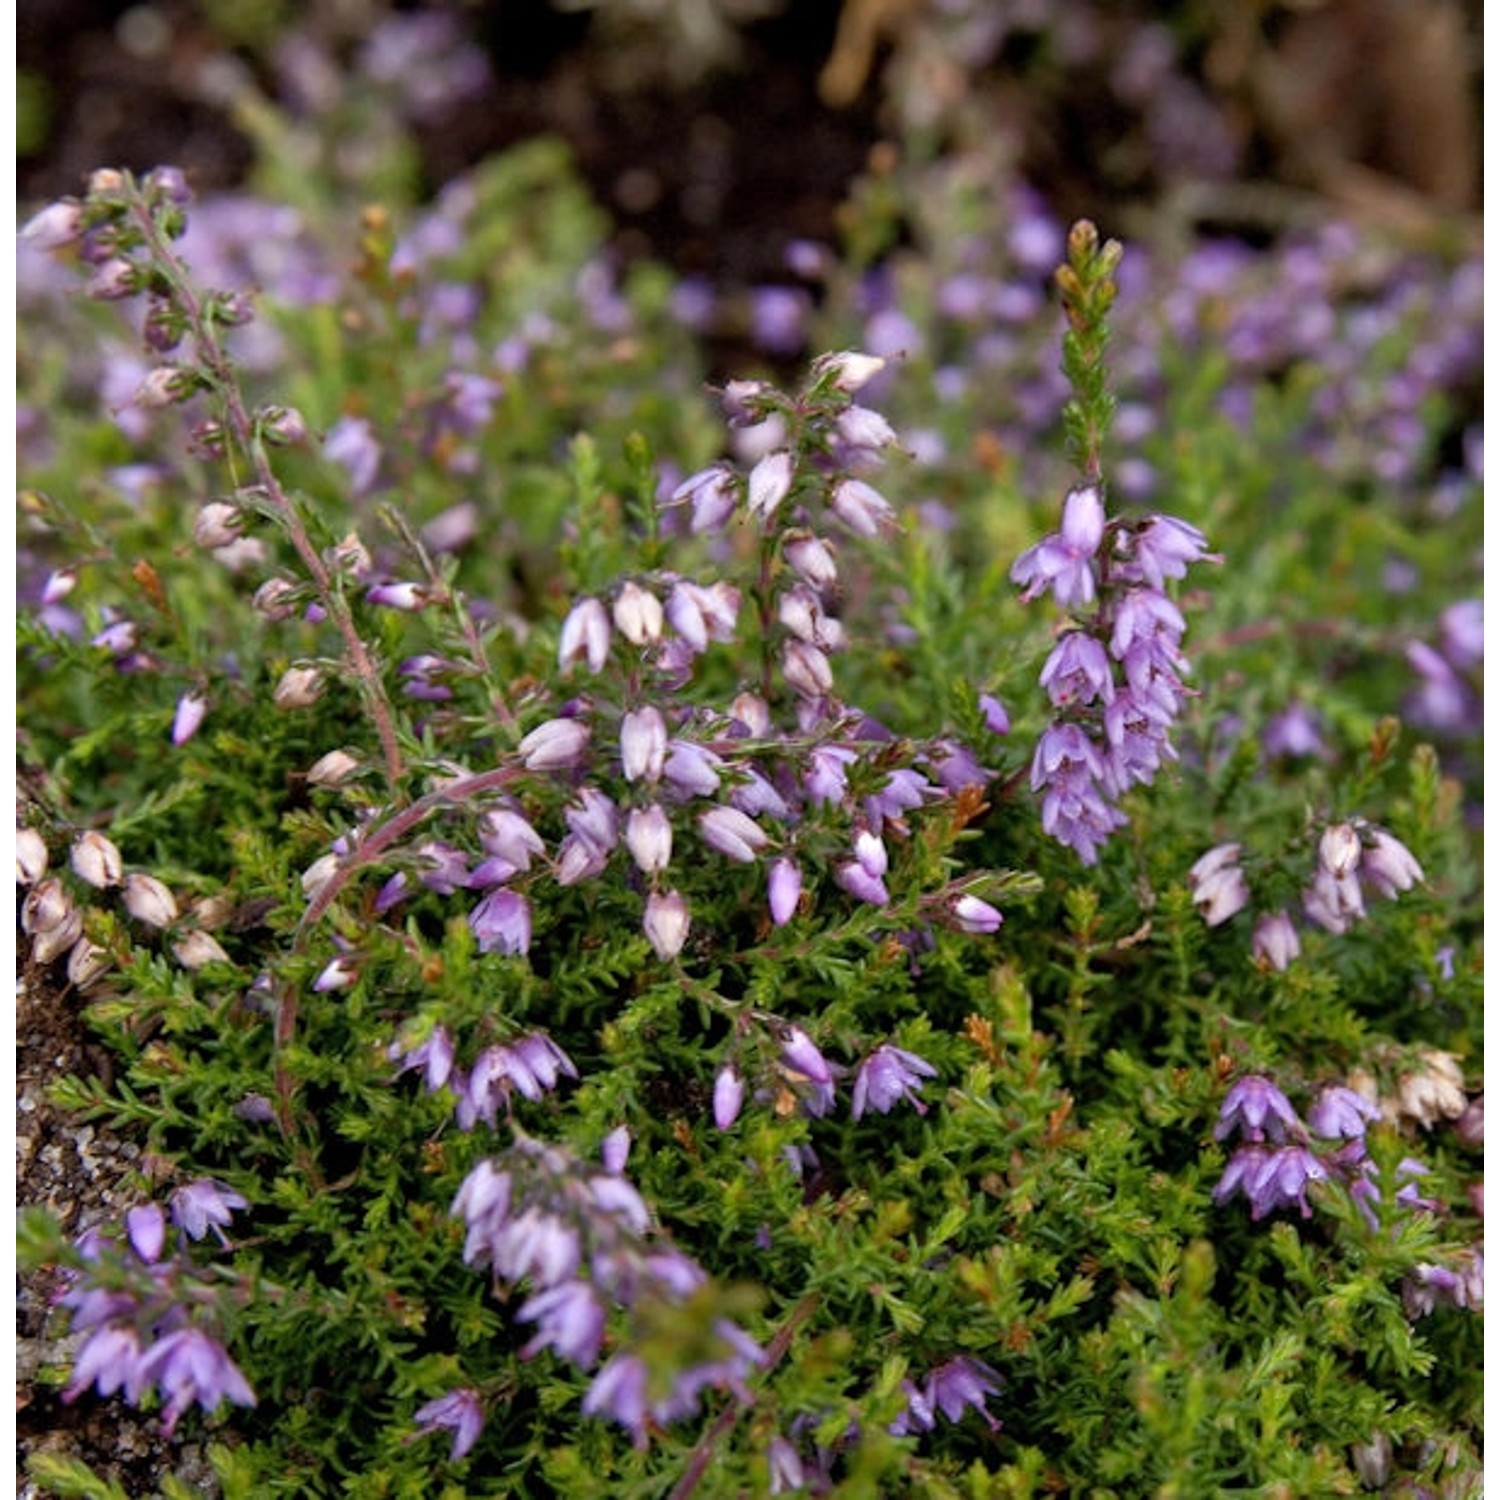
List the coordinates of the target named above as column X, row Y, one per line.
column 220, row 372
column 776, row 1351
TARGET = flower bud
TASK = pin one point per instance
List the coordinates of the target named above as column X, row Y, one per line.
column 196, row 948
column 862, row 508
column 31, row 856
column 350, row 556
column 850, row 370
column 318, row 874
column 86, row 962
column 337, row 975
column 300, row 687
column 638, row 614
column 56, row 225
column 96, row 861
column 164, row 386
column 45, row 907
column 554, row 746
column 59, row 585
column 585, row 636
column 643, row 744
column 1218, row 884
column 1436, row 1092
column 712, row 493
column 666, row 923
column 729, row 1096
column 812, row 560
column 732, row 833
column 770, row 483
column 114, row 280
column 1389, row 865
column 55, row 941
column 783, row 890
column 282, row 425
column 648, row 836
column 149, row 901
column 807, row 670
column 973, row 915
column 1339, row 849
column 276, row 599
column 860, row 427
column 188, row 719
column 405, row 596
column 332, row 769
column 105, row 182
column 1274, row 943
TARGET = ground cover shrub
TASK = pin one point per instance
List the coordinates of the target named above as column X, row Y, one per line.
column 910, row 927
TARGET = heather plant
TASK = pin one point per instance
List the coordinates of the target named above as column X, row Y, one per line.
column 657, row 962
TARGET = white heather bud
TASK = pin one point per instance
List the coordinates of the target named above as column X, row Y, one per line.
column 332, row 769
column 31, row 856
column 276, row 599
column 648, row 836
column 86, row 962
column 643, row 744
column 318, row 874
column 751, row 710
column 638, row 614
column 164, row 386
column 188, row 719
column 105, row 182
column 149, row 901
column 218, row 524
column 666, row 923
column 851, row 370
column 113, row 281
column 770, row 483
column 350, row 556
column 194, row 949
column 96, row 861
column 56, row 225
column 46, row 905
column 56, row 941
column 59, row 585
column 300, row 687
column 585, row 636
column 1339, row 850
column 283, row 425
column 1218, row 884
column 806, row 669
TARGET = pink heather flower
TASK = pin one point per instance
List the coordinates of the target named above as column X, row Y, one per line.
column 434, row 1057
column 638, row 614
column 806, row 668
column 826, row 779
column 951, row 1389
column 1334, row 903
column 666, row 923
column 692, row 768
column 188, row 1366
column 1271, row 1179
column 769, row 484
column 783, row 889
column 643, row 744
column 811, row 559
column 188, row 719
column 205, row 1204
column 1078, row 671
column 859, row 427
column 1064, row 561
column 554, row 746
column 569, row 1320
column 1339, row 850
column 351, row 443
column 1341, row 1113
column 729, row 1095
column 146, row 1228
column 1275, row 942
column 732, row 833
column 648, row 836
column 862, row 508
column 1389, row 865
column 1218, row 884
column 502, row 921
column 886, row 1077
column 459, row 1412
column 971, row 914
column 1163, row 547
column 1257, row 1108
column 712, row 493
column 505, row 835
column 585, row 636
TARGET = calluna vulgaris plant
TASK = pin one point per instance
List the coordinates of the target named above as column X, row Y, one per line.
column 661, row 981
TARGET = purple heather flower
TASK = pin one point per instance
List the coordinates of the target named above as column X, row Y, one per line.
column 1218, row 884
column 666, row 923
column 614, row 1150
column 783, row 889
column 619, row 1391
column 1271, row 1178
column 1064, row 561
column 952, row 1388
column 434, row 1056
column 1275, row 941
column 1163, row 547
column 995, row 716
column 970, row 914
column 110, row 1361
column 338, row 974
column 1078, row 671
column 569, row 1319
column 811, row 559
column 1142, row 616
column 1259, row 1109
column 904, row 790
column 857, row 880
column 769, row 484
column 505, row 835
column 863, row 509
column 502, row 921
column 188, row 1366
column 1389, row 865
column 692, row 768
column 729, row 1095
column 398, row 594
column 1341, row 1113
column 886, row 1077
column 732, row 833
column 713, row 494
column 556, row 745
column 459, row 1412
column 585, row 636
column 826, row 779
column 191, row 709
column 351, row 443
column 205, row 1204
column 785, row 1466
column 1294, row 731
column 799, row 1053
column 648, row 836
column 146, row 1228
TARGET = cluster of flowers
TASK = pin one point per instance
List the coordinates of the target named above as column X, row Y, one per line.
column 643, row 767
column 55, row 923
column 1276, row 1161
column 583, row 1240
column 142, row 1314
column 1115, row 677
column 1352, row 856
